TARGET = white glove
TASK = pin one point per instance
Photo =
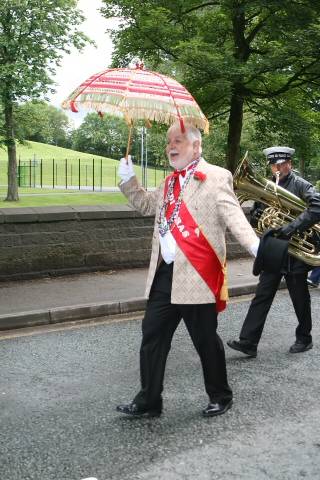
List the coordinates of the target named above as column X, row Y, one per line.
column 125, row 170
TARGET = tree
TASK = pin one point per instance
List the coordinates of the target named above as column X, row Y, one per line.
column 108, row 136
column 41, row 122
column 233, row 55
column 294, row 121
column 33, row 36
column 105, row 136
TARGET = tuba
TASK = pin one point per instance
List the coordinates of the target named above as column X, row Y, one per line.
column 281, row 207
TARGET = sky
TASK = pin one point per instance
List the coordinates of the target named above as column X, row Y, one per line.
column 77, row 66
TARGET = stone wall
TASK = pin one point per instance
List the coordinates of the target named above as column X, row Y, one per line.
column 45, row 241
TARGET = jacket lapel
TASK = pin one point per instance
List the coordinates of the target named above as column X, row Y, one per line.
column 194, row 184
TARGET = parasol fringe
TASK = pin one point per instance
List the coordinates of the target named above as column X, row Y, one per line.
column 164, row 113
column 99, row 102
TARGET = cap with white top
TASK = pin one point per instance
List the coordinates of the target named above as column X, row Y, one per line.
column 276, row 155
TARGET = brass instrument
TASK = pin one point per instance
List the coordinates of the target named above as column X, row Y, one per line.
column 281, row 207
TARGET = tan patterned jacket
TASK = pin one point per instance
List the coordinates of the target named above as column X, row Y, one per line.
column 214, row 206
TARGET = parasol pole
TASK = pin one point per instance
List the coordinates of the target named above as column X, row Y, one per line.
column 129, row 140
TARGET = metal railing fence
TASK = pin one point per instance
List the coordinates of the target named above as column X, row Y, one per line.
column 76, row 174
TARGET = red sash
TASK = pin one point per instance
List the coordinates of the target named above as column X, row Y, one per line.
column 198, row 251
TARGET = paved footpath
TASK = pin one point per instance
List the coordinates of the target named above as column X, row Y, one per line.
column 89, row 295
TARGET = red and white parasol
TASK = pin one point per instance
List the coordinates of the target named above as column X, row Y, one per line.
column 137, row 94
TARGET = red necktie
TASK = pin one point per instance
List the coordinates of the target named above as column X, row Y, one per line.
column 177, row 187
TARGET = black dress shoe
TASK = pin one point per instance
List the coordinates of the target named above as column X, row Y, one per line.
column 299, row 347
column 243, row 346
column 217, row 408
column 134, row 410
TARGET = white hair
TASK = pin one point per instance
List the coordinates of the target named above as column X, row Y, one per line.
column 193, row 133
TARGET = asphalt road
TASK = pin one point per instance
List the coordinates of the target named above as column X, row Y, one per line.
column 59, row 390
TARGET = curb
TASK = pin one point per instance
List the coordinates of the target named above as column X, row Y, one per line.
column 71, row 313
column 91, row 310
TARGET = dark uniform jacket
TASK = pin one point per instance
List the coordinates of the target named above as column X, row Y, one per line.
column 311, row 215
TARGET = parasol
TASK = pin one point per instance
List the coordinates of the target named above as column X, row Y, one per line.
column 137, row 94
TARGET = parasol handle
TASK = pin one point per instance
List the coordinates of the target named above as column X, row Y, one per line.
column 129, row 141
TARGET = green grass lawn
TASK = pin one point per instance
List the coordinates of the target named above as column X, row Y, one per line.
column 42, row 165
column 62, row 198
column 60, row 168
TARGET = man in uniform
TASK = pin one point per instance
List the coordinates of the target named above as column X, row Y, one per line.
column 193, row 207
column 295, row 271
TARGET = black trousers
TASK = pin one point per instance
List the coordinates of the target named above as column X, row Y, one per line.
column 267, row 287
column 158, row 326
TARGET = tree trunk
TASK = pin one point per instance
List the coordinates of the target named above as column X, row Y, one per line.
column 241, row 55
column 234, row 132
column 12, row 194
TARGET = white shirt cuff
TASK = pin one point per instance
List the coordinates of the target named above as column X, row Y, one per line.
column 254, row 248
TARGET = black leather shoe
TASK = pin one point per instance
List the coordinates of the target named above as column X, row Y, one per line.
column 243, row 346
column 218, row 408
column 299, row 347
column 134, row 410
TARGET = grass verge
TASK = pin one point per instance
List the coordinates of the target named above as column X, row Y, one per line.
column 67, row 199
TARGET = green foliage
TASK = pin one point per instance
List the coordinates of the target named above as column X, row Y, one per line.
column 41, row 122
column 108, row 136
column 235, row 56
column 211, row 45
column 214, row 144
column 34, row 35
column 156, row 143
column 105, row 135
column 294, row 121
